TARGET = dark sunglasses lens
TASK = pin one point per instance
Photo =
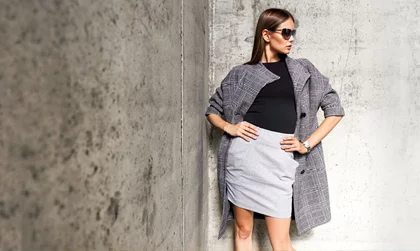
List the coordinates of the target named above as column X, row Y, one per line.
column 286, row 33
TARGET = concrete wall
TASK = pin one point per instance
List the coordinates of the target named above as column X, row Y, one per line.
column 103, row 144
column 370, row 50
column 101, row 139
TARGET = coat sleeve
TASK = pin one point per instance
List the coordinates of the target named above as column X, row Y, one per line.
column 220, row 97
column 330, row 101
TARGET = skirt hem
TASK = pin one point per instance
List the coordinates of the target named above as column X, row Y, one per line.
column 260, row 212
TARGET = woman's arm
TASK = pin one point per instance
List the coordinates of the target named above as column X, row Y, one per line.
column 323, row 130
column 242, row 129
column 333, row 113
column 217, row 121
column 291, row 144
column 215, row 113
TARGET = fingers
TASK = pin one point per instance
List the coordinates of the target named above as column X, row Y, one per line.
column 247, row 130
column 250, row 128
column 290, row 144
column 247, row 135
column 291, row 149
column 289, row 141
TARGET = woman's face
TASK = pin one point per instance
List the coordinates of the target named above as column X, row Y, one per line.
column 278, row 41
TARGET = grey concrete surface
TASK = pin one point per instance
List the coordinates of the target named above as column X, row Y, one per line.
column 104, row 145
column 101, row 140
column 370, row 50
column 195, row 72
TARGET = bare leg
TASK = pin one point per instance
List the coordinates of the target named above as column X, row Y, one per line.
column 244, row 223
column 278, row 231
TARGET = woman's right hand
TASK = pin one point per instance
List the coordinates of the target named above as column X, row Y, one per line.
column 243, row 129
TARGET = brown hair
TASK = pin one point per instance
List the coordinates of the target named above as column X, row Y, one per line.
column 269, row 19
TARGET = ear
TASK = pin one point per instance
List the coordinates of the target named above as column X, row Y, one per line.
column 266, row 35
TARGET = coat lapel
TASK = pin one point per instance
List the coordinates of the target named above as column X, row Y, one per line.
column 264, row 75
column 298, row 73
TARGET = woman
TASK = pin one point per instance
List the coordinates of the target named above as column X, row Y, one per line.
column 271, row 147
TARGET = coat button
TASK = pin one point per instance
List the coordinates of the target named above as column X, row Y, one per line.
column 302, row 115
column 302, row 172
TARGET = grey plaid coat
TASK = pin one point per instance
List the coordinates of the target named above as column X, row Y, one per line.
column 311, row 206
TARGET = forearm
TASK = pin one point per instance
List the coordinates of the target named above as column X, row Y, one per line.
column 323, row 130
column 217, row 121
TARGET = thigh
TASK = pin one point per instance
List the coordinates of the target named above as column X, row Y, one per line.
column 278, row 230
column 244, row 219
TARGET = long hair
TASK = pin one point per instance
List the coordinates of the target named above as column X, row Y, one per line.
column 269, row 19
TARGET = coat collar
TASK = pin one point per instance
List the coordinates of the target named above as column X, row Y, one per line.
column 298, row 73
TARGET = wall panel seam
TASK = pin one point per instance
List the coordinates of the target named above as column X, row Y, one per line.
column 182, row 128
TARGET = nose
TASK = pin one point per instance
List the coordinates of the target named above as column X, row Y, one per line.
column 292, row 38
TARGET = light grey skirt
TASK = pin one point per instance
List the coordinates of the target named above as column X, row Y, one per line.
column 260, row 175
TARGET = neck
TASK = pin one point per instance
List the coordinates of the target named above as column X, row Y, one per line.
column 270, row 55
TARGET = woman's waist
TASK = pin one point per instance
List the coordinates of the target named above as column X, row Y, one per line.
column 270, row 136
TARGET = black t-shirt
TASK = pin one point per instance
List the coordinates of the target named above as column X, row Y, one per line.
column 274, row 107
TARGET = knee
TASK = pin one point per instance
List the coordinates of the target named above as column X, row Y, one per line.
column 243, row 232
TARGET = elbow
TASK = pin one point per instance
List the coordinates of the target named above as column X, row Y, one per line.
column 333, row 110
column 334, row 119
column 337, row 118
column 213, row 110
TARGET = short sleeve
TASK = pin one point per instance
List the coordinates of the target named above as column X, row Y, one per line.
column 219, row 98
column 330, row 101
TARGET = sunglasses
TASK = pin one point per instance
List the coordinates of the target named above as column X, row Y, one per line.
column 286, row 33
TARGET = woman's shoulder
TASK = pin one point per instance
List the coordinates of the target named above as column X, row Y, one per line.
column 238, row 71
column 305, row 62
column 309, row 66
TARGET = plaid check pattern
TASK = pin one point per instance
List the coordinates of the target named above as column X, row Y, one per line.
column 232, row 99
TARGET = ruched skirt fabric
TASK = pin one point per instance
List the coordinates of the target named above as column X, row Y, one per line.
column 260, row 175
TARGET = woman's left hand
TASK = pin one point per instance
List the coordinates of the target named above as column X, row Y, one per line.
column 290, row 144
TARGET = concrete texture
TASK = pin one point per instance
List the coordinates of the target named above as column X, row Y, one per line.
column 370, row 52
column 103, row 142
column 195, row 58
column 101, row 139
